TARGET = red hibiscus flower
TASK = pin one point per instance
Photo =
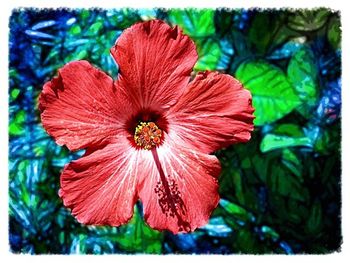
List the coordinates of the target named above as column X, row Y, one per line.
column 148, row 135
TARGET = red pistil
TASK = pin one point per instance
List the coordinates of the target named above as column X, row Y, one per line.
column 169, row 197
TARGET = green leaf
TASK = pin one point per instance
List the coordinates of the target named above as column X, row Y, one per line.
column 272, row 142
column 284, row 34
column 209, row 54
column 273, row 95
column 95, row 28
column 75, row 30
column 261, row 166
column 236, row 210
column 136, row 236
column 61, row 238
column 295, row 212
column 292, row 162
column 85, row 14
column 289, row 129
column 302, row 73
column 262, row 30
column 16, row 126
column 238, row 186
column 14, row 94
column 269, row 232
column 195, row 23
column 246, row 163
column 247, row 242
column 323, row 142
column 79, row 244
column 308, row 20
column 314, row 222
column 199, row 25
column 283, row 183
column 81, row 55
column 334, row 32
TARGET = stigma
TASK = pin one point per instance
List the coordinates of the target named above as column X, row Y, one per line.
column 147, row 135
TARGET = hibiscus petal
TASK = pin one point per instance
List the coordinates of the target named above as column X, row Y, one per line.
column 214, row 112
column 79, row 107
column 100, row 186
column 181, row 190
column 155, row 62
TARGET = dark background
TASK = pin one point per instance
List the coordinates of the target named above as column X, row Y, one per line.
column 280, row 191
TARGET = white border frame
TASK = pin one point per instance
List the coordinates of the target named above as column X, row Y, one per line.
column 6, row 256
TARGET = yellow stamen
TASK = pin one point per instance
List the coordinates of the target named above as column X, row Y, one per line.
column 147, row 135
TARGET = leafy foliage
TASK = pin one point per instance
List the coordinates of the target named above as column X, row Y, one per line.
column 280, row 192
column 273, row 94
column 199, row 25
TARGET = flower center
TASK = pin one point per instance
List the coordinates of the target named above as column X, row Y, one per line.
column 147, row 135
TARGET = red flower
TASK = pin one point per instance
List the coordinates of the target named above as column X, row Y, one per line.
column 148, row 135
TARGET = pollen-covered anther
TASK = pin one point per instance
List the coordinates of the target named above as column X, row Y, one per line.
column 147, row 135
